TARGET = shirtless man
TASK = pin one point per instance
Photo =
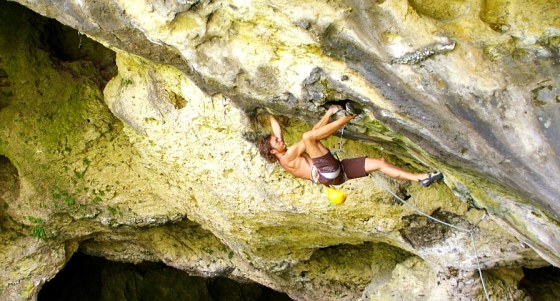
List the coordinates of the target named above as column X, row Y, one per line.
column 309, row 159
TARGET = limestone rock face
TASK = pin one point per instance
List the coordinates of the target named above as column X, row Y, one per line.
column 155, row 158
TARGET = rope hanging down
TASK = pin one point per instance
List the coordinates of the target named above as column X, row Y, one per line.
column 469, row 231
column 340, row 140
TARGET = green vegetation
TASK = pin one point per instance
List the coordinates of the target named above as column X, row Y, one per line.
column 38, row 228
column 114, row 210
column 65, row 197
column 82, row 202
column 48, row 123
column 70, row 201
column 126, row 82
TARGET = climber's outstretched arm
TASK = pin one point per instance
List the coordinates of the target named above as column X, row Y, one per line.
column 276, row 129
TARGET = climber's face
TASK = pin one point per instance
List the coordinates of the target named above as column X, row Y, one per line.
column 277, row 144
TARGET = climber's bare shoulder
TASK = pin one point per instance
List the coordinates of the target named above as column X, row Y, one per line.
column 299, row 166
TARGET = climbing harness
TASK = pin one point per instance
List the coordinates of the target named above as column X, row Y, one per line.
column 469, row 231
column 334, row 195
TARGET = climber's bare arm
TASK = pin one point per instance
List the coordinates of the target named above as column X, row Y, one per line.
column 276, row 129
column 294, row 152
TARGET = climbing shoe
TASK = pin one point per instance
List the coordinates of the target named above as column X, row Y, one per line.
column 339, row 114
column 432, row 177
column 350, row 110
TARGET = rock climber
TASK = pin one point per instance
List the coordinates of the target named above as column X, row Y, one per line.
column 309, row 159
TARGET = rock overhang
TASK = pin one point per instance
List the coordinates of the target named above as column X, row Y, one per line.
column 466, row 146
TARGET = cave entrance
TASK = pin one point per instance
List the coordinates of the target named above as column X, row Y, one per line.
column 89, row 278
column 67, row 48
column 66, row 45
column 542, row 283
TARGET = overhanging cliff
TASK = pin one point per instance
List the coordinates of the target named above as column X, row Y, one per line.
column 154, row 158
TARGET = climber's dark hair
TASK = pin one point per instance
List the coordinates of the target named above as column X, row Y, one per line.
column 265, row 148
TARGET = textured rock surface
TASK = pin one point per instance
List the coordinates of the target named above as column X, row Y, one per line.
column 157, row 161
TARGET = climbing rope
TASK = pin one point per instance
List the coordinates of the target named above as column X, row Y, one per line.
column 340, row 140
column 469, row 231
column 478, row 265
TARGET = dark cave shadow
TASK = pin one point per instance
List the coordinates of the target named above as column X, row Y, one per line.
column 89, row 278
